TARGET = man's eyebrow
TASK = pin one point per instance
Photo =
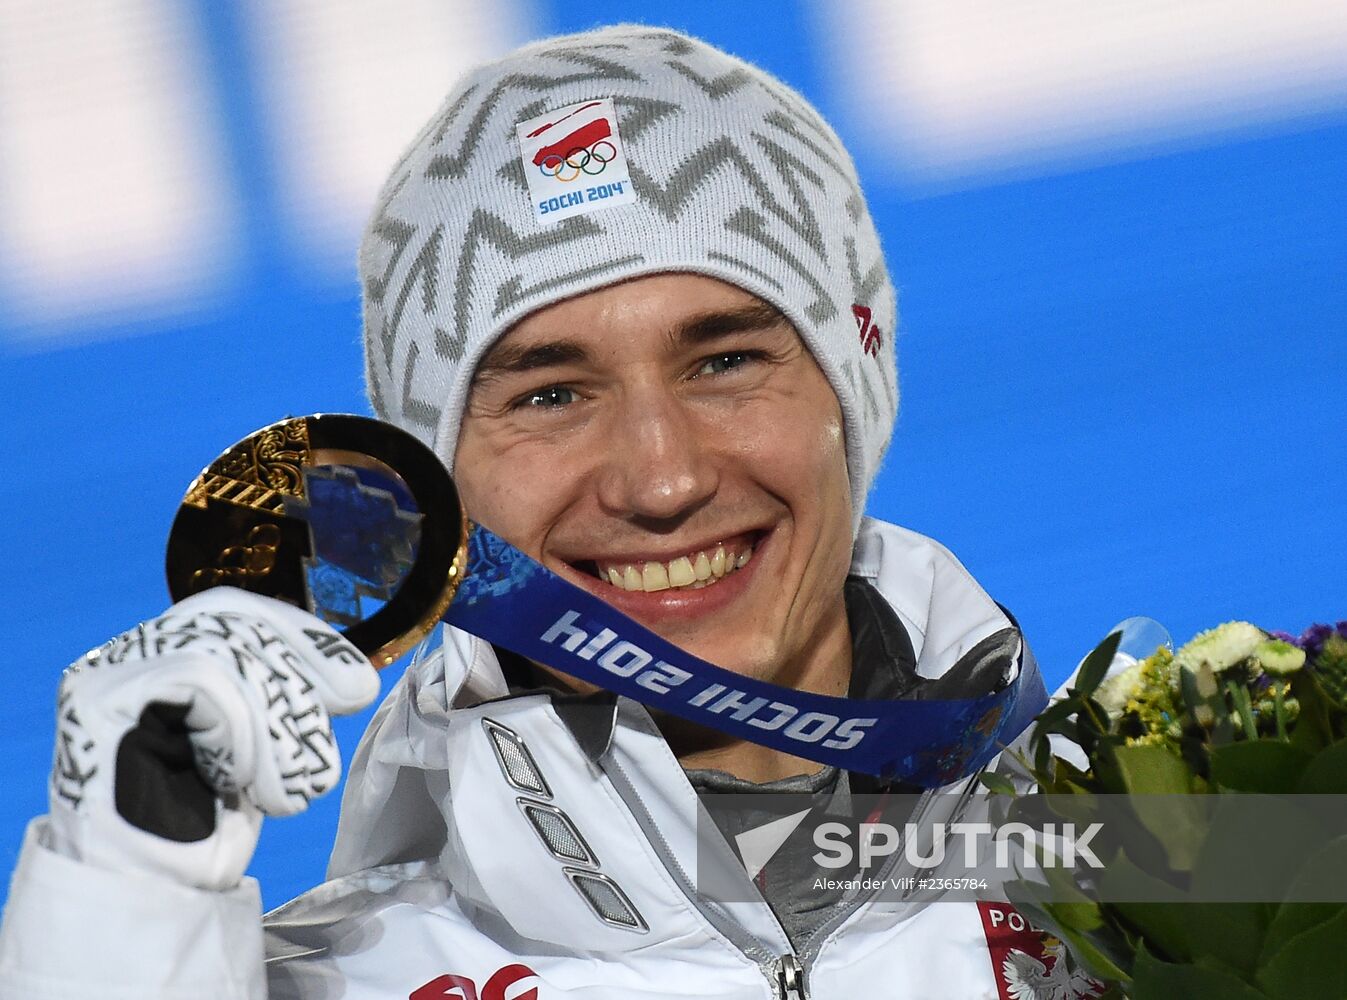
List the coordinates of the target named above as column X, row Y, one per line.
column 700, row 329
column 511, row 360
column 507, row 360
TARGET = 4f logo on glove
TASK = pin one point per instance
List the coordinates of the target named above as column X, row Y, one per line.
column 237, row 684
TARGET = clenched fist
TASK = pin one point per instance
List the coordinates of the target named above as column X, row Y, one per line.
column 175, row 738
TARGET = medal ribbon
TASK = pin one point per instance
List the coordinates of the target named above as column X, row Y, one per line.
column 511, row 600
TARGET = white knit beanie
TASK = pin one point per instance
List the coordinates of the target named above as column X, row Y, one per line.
column 641, row 151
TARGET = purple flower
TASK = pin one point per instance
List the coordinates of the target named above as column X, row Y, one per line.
column 1312, row 639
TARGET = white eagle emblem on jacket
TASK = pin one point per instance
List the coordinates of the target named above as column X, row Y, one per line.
column 1029, row 979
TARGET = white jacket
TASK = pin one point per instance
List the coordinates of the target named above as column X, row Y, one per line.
column 483, row 854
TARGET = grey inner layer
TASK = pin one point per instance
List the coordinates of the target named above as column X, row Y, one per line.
column 883, row 667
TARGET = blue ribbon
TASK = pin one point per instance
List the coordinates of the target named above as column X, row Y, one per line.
column 927, row 743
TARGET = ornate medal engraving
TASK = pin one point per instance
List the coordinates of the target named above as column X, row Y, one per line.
column 344, row 516
column 258, row 472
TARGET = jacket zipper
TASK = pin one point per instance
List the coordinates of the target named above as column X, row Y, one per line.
column 790, row 978
column 787, row 970
column 814, row 944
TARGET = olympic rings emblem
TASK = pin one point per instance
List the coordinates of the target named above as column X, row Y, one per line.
column 556, row 165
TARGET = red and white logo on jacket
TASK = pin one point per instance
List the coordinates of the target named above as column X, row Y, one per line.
column 1028, row 963
column 506, row 983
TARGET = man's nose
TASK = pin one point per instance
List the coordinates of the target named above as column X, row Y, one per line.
column 661, row 463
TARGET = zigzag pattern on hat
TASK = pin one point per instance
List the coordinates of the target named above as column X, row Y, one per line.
column 735, row 175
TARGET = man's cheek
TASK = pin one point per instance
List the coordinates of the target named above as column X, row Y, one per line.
column 492, row 504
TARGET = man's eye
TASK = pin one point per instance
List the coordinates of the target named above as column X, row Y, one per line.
column 725, row 362
column 552, row 396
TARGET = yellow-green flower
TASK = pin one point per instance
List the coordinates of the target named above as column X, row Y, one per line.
column 1152, row 701
column 1118, row 689
column 1221, row 647
column 1278, row 657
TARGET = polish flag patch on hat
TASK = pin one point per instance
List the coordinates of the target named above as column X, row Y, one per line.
column 574, row 160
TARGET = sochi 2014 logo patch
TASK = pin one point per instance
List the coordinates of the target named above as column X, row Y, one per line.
column 574, row 160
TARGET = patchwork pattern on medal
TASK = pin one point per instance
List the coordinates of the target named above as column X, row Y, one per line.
column 364, row 543
column 495, row 568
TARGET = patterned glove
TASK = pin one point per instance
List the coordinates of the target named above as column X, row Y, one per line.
column 175, row 738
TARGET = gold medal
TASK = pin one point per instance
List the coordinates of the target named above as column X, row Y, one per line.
column 345, row 516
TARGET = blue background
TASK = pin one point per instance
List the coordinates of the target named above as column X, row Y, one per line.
column 1117, row 396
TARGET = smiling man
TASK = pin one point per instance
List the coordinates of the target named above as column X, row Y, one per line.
column 697, row 476
column 628, row 289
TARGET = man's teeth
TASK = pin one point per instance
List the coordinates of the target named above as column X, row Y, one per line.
column 700, row 569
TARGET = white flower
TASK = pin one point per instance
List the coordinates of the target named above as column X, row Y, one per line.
column 1221, row 647
column 1118, row 689
column 1278, row 657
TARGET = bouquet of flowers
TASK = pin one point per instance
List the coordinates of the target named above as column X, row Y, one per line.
column 1236, row 711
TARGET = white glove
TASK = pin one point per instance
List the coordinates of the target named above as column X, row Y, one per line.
column 174, row 738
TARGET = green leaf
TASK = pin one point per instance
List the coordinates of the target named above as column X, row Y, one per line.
column 1327, row 772
column 1092, row 957
column 1067, row 902
column 1073, row 913
column 1156, row 980
column 1056, row 718
column 1179, row 827
column 1311, row 966
column 1235, row 929
column 1042, row 759
column 1092, row 949
column 1158, row 780
column 1267, row 766
column 1104, row 764
column 1292, row 920
column 1314, row 726
column 998, row 783
column 1079, row 916
column 1150, row 770
column 1093, row 719
column 1235, row 933
column 1096, row 665
column 1324, row 875
column 1231, row 933
column 1068, row 772
column 1163, row 926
